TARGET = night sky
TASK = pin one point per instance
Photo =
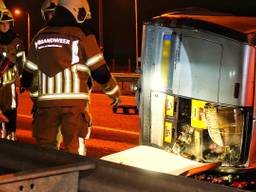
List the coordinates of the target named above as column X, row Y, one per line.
column 31, row 6
column 118, row 19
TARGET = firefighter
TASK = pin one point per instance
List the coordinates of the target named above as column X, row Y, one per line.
column 12, row 59
column 47, row 11
column 66, row 55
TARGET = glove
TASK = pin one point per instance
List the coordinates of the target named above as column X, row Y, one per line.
column 115, row 102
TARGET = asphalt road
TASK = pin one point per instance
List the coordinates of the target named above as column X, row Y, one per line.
column 111, row 132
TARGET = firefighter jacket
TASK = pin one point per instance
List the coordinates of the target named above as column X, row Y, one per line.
column 63, row 59
column 12, row 50
column 11, row 47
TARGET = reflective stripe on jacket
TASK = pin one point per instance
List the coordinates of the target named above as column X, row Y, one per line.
column 64, row 57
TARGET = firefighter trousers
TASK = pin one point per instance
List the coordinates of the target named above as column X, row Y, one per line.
column 71, row 121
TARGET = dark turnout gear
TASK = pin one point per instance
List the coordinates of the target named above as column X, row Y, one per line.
column 65, row 58
column 72, row 122
column 12, row 49
column 12, row 59
column 64, row 78
column 11, row 62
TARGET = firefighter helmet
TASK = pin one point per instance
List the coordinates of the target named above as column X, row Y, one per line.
column 48, row 8
column 80, row 9
column 6, row 15
column 2, row 5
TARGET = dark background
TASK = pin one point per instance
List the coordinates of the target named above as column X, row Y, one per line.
column 116, row 29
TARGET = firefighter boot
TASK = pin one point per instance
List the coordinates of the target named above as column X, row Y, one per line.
column 11, row 136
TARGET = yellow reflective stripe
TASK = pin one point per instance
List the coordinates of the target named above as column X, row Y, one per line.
column 21, row 53
column 50, row 81
column 59, row 83
column 31, row 66
column 75, row 57
column 67, row 75
column 76, row 80
column 95, row 59
column 43, row 83
column 5, row 78
column 14, row 105
column 113, row 91
column 64, row 96
column 83, row 68
column 9, row 75
column 34, row 94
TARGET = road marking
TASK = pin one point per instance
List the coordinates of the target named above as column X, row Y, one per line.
column 24, row 116
column 24, row 133
column 115, row 130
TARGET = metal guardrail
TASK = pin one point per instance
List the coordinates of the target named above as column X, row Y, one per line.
column 127, row 77
column 131, row 78
column 31, row 168
column 125, row 81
